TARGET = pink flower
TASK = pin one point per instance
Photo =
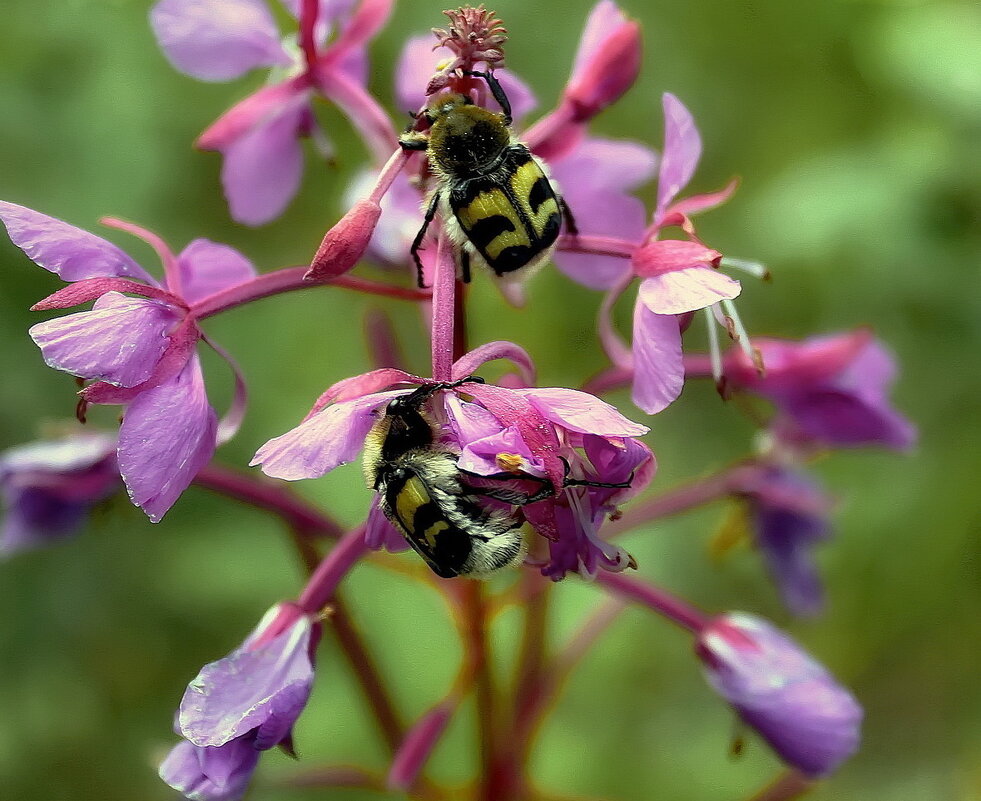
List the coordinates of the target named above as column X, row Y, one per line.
column 552, row 439
column 138, row 351
column 259, row 137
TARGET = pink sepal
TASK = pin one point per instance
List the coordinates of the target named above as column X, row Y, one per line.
column 469, row 363
column 419, row 742
column 243, row 116
column 697, row 203
column 345, row 243
column 664, row 255
column 91, row 288
column 364, row 384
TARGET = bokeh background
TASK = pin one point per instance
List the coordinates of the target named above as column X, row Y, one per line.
column 855, row 128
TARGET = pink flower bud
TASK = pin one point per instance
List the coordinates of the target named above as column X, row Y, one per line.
column 345, row 243
column 608, row 70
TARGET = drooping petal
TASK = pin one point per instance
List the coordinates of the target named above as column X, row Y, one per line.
column 168, row 433
column 67, row 251
column 682, row 150
column 582, row 412
column 211, row 774
column 596, row 180
column 686, row 290
column 207, row 267
column 262, row 688
column 217, row 40
column 331, row 437
column 809, row 719
column 659, row 371
column 120, row 341
column 262, row 169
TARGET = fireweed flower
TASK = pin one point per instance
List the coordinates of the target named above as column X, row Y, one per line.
column 139, row 351
column 259, row 137
column 48, row 487
column 595, row 176
column 543, row 436
column 677, row 277
column 241, row 705
column 810, row 720
column 829, row 391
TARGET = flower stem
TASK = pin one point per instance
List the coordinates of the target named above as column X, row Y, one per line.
column 597, row 245
column 473, row 606
column 290, row 279
column 665, row 604
column 444, row 328
column 328, row 574
column 308, row 22
column 272, row 497
column 788, row 785
column 684, row 498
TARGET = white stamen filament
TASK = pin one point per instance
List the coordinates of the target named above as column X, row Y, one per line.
column 715, row 350
column 742, row 336
column 754, row 268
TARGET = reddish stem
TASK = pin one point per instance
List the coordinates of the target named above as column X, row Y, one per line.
column 308, row 22
column 597, row 245
column 290, row 279
column 445, row 315
column 324, row 580
column 671, row 607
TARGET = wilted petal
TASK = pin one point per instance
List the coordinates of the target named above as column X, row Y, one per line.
column 217, row 40
column 67, row 251
column 207, row 267
column 686, row 290
column 119, row 341
column 263, row 688
column 211, row 774
column 810, row 720
column 659, row 371
column 582, row 412
column 332, row 437
column 262, row 169
column 682, row 150
column 167, row 435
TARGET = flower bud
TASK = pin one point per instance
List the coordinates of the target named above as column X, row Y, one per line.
column 345, row 243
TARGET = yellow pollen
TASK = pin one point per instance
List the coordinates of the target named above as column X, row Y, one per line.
column 509, row 462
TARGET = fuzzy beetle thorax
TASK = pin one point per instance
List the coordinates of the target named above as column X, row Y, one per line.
column 465, row 140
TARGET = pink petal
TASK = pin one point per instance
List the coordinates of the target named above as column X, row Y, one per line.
column 364, row 384
column 167, row 435
column 263, row 168
column 659, row 372
column 368, row 18
column 578, row 411
column 332, row 437
column 664, row 255
column 207, row 267
column 67, row 251
column 596, row 180
column 471, row 362
column 119, row 341
column 217, row 40
column 687, row 290
column 682, row 150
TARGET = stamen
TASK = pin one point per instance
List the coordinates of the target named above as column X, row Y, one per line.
column 754, row 268
column 741, row 336
column 715, row 356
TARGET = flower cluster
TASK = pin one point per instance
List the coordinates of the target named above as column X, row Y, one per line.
column 556, row 464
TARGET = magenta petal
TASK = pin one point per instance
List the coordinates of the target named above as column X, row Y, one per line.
column 211, row 774
column 582, row 412
column 167, row 435
column 682, row 150
column 67, row 251
column 217, row 40
column 207, row 267
column 659, row 372
column 262, row 169
column 331, row 437
column 686, row 290
column 119, row 341
column 263, row 688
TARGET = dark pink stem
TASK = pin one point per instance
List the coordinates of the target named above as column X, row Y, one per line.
column 342, row 557
column 308, row 23
column 290, row 279
column 444, row 294
column 597, row 245
column 671, row 607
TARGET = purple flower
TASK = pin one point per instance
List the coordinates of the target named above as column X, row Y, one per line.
column 789, row 513
column 48, row 487
column 241, row 705
column 810, row 720
column 259, row 137
column 139, row 351
column 545, row 437
column 829, row 391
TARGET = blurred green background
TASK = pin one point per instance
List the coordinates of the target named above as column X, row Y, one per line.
column 855, row 129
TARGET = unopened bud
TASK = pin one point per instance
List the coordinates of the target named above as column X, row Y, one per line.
column 345, row 243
